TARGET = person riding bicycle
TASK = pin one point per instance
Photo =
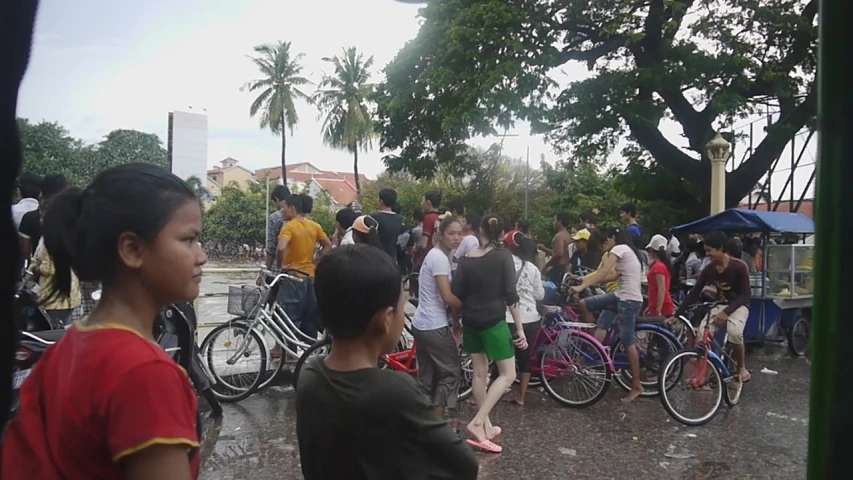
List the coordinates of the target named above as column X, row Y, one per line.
column 729, row 277
column 628, row 299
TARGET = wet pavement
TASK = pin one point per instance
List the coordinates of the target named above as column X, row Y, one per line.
column 765, row 436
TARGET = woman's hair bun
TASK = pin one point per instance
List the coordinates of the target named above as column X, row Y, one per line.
column 445, row 215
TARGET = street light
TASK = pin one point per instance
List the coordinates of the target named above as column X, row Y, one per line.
column 718, row 153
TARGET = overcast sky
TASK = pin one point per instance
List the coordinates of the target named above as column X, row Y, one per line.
column 99, row 65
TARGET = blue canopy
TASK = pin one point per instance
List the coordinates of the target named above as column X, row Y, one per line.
column 739, row 220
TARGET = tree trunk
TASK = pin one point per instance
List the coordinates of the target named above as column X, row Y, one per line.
column 283, row 152
column 355, row 173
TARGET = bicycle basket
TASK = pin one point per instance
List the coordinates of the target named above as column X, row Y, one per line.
column 244, row 300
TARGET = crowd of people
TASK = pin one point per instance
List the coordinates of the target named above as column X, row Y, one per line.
column 135, row 230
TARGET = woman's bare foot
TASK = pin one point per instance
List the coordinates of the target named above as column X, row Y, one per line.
column 514, row 399
column 632, row 395
column 477, row 431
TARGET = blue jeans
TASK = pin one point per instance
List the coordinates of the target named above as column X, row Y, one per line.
column 626, row 312
column 299, row 302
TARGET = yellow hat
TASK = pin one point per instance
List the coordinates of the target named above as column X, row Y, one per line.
column 582, row 234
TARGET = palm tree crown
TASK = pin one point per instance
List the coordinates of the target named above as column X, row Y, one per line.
column 341, row 98
column 278, row 88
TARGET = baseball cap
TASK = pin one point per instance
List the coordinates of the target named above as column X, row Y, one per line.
column 583, row 234
column 658, row 242
column 513, row 238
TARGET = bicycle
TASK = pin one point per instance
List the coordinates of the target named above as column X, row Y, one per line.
column 258, row 317
column 709, row 381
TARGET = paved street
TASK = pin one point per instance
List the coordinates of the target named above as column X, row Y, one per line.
column 763, row 437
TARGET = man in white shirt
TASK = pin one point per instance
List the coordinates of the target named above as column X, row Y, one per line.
column 29, row 190
column 673, row 248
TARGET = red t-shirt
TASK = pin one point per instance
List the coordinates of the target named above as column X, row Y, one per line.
column 100, row 394
column 667, row 309
column 430, row 227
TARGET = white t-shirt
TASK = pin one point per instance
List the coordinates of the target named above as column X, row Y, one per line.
column 21, row 208
column 673, row 247
column 347, row 238
column 432, row 311
column 630, row 273
column 529, row 287
column 468, row 243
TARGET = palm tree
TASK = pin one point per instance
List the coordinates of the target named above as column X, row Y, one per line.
column 342, row 98
column 278, row 88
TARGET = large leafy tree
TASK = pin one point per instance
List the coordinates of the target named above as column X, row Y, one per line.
column 342, row 100
column 48, row 148
column 476, row 65
column 277, row 89
column 237, row 216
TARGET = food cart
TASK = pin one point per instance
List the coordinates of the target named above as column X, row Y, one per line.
column 782, row 295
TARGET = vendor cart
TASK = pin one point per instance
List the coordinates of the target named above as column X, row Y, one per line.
column 782, row 295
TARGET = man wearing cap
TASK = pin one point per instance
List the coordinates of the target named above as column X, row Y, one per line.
column 584, row 259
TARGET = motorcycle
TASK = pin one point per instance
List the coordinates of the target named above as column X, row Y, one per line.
column 29, row 316
column 174, row 330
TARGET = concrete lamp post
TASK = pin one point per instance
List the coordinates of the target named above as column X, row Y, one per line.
column 718, row 152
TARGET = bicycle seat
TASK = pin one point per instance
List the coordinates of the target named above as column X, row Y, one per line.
column 414, row 301
column 49, row 336
column 651, row 320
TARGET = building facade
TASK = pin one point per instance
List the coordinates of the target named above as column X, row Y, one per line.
column 187, row 145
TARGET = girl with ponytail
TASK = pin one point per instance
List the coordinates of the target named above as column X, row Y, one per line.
column 485, row 283
column 135, row 230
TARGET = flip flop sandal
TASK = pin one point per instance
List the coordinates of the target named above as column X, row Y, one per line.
column 748, row 378
column 497, row 433
column 487, row 446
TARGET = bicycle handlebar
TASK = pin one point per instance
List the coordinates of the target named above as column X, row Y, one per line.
column 278, row 276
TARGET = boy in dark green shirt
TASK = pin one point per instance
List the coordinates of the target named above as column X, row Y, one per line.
column 353, row 420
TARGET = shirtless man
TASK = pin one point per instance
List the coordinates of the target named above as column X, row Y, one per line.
column 555, row 268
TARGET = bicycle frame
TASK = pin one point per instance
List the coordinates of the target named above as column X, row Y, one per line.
column 560, row 326
column 403, row 361
column 270, row 317
column 706, row 348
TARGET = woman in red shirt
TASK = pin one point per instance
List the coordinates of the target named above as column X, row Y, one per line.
column 106, row 402
column 659, row 278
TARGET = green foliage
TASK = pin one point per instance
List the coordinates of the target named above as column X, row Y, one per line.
column 342, row 100
column 475, row 66
column 48, row 148
column 237, row 217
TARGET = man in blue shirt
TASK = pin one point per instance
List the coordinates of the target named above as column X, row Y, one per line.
column 628, row 214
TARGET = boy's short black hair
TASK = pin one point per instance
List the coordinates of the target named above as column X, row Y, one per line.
column 388, row 196
column 563, row 218
column 352, row 284
column 346, row 217
column 397, row 208
column 418, row 215
column 716, row 240
column 589, row 217
column 53, row 184
column 433, row 197
column 307, row 203
column 280, row 193
column 29, row 185
column 456, row 205
column 295, row 201
column 523, row 225
column 630, row 209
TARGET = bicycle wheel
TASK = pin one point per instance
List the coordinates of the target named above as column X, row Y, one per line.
column 236, row 378
column 684, row 331
column 708, row 390
column 577, row 360
column 654, row 348
column 319, row 349
column 798, row 337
